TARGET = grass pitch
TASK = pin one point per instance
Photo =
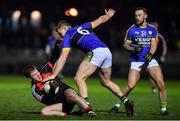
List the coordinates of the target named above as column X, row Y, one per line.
column 17, row 103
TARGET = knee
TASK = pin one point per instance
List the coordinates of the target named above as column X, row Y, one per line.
column 44, row 111
column 76, row 78
column 70, row 95
column 79, row 78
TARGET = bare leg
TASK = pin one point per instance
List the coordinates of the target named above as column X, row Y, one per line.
column 105, row 75
column 153, row 84
column 133, row 77
column 84, row 71
column 157, row 75
column 55, row 109
column 72, row 97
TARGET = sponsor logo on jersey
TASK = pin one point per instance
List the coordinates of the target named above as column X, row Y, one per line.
column 143, row 41
column 136, row 32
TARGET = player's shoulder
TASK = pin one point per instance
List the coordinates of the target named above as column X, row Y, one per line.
column 86, row 25
column 82, row 24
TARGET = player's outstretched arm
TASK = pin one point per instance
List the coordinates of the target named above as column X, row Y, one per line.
column 104, row 18
column 59, row 64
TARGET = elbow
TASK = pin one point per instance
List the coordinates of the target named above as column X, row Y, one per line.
column 124, row 45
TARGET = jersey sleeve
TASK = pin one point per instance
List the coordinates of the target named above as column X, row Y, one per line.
column 129, row 35
column 37, row 93
column 66, row 44
column 154, row 34
column 88, row 25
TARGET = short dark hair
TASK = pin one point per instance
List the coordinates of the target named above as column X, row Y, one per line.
column 27, row 70
column 141, row 8
column 62, row 23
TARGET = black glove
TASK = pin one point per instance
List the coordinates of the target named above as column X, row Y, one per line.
column 138, row 49
column 148, row 57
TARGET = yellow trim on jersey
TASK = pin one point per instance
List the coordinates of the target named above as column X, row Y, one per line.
column 64, row 49
column 143, row 26
column 92, row 24
column 153, row 39
column 129, row 41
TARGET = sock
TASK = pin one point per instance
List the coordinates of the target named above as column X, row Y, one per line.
column 87, row 108
column 65, row 114
column 123, row 99
column 163, row 105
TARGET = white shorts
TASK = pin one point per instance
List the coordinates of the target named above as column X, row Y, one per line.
column 100, row 57
column 136, row 65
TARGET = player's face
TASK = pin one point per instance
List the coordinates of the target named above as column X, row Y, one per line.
column 140, row 17
column 35, row 75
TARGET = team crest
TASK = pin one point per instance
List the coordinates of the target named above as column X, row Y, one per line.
column 150, row 32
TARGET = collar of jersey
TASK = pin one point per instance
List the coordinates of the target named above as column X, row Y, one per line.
column 143, row 26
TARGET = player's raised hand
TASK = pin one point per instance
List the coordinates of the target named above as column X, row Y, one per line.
column 110, row 12
column 103, row 18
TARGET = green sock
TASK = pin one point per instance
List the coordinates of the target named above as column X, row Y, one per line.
column 123, row 99
column 163, row 104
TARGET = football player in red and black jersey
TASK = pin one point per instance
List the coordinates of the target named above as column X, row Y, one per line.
column 60, row 103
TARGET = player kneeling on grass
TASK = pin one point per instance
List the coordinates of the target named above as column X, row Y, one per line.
column 59, row 97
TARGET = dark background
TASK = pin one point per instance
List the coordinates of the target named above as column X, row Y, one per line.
column 26, row 44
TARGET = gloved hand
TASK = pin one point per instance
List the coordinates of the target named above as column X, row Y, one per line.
column 138, row 48
column 148, row 57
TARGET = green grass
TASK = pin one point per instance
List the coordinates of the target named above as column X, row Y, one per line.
column 16, row 101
